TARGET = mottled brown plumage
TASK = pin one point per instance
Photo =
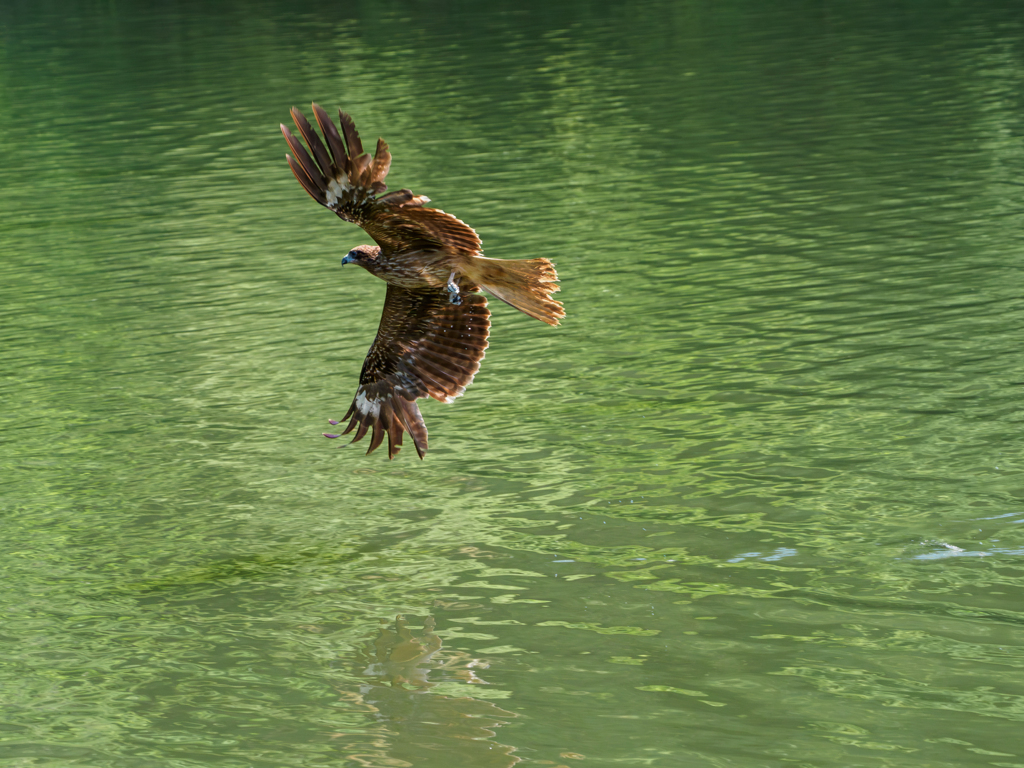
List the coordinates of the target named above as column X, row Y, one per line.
column 434, row 328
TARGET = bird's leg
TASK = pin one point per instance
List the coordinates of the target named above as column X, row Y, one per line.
column 453, row 290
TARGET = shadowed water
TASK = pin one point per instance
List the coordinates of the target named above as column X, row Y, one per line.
column 757, row 502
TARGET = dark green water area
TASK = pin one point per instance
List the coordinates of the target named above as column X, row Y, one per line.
column 758, row 502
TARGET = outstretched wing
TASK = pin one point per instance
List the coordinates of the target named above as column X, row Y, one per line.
column 342, row 177
column 425, row 346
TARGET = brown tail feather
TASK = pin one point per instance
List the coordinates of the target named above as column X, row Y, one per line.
column 525, row 284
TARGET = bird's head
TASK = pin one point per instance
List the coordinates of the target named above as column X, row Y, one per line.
column 363, row 255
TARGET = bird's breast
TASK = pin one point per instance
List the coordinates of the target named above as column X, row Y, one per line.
column 419, row 270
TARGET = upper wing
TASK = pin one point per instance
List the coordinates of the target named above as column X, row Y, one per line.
column 425, row 346
column 342, row 177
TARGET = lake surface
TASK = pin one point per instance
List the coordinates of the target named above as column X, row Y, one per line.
column 759, row 501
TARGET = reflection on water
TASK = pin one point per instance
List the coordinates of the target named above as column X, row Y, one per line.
column 758, row 503
column 417, row 723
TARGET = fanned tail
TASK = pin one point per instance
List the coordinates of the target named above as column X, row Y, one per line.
column 526, row 284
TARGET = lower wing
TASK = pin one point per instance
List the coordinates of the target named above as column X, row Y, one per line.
column 425, row 347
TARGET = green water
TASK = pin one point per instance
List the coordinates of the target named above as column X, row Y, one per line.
column 758, row 502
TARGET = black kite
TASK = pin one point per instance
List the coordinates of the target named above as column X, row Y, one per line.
column 434, row 328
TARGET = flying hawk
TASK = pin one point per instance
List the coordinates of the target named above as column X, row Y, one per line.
column 434, row 328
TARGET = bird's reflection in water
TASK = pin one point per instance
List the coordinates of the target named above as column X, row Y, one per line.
column 416, row 726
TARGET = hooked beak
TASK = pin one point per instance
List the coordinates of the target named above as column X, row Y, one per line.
column 347, row 259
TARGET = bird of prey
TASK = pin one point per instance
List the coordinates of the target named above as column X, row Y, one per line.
column 435, row 324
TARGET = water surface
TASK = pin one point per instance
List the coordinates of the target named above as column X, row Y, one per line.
column 757, row 502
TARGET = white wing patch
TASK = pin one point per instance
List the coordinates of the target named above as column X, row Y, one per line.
column 335, row 190
column 366, row 406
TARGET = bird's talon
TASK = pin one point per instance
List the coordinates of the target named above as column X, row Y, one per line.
column 453, row 290
column 325, row 434
column 333, row 423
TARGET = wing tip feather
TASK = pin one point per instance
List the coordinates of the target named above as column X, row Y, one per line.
column 387, row 413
